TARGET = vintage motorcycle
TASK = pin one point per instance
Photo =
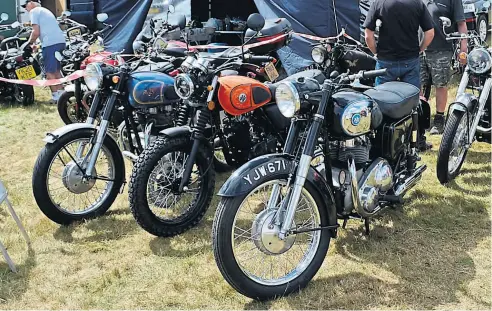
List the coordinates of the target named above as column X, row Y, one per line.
column 469, row 117
column 17, row 62
column 278, row 212
column 173, row 180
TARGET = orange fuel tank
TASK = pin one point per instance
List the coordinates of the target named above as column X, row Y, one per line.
column 238, row 95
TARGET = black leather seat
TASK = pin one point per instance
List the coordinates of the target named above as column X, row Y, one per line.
column 395, row 99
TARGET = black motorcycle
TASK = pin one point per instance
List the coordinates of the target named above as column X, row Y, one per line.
column 278, row 212
column 226, row 111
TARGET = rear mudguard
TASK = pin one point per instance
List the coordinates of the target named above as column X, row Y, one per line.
column 257, row 171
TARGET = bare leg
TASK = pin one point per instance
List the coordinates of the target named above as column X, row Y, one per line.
column 56, row 75
column 441, row 99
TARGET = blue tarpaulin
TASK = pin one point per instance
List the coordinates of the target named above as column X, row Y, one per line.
column 321, row 18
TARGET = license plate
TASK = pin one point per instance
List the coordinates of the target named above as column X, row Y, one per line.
column 74, row 32
column 468, row 8
column 25, row 73
column 271, row 72
column 154, row 11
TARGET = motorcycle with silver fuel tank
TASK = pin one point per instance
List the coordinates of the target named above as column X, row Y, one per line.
column 278, row 212
column 469, row 117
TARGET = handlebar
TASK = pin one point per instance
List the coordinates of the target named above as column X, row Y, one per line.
column 259, row 59
column 368, row 74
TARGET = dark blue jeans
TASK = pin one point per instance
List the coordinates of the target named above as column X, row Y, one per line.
column 404, row 70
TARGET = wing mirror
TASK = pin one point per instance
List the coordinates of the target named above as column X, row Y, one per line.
column 181, row 22
column 4, row 17
column 256, row 22
column 67, row 13
column 446, row 22
column 102, row 17
column 58, row 56
column 15, row 25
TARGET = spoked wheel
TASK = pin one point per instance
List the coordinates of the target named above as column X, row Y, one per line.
column 249, row 253
column 482, row 27
column 67, row 109
column 452, row 151
column 155, row 200
column 61, row 188
column 24, row 94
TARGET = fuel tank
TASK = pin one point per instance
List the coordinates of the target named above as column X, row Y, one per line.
column 238, row 95
column 151, row 89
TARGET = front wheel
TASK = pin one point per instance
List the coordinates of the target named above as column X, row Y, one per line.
column 60, row 188
column 248, row 252
column 67, row 109
column 452, row 151
column 155, row 200
column 482, row 26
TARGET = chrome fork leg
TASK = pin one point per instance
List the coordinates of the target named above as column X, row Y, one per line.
column 101, row 134
column 300, row 179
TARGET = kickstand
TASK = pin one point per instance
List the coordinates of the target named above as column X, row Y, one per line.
column 344, row 223
column 366, row 225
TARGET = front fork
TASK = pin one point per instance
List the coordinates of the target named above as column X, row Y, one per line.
column 103, row 127
column 484, row 94
column 305, row 161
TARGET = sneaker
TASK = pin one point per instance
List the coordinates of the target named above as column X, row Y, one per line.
column 438, row 127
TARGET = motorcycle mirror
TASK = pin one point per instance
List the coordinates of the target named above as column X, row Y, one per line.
column 67, row 13
column 256, row 22
column 58, row 56
column 4, row 17
column 446, row 22
column 15, row 25
column 102, row 17
column 181, row 22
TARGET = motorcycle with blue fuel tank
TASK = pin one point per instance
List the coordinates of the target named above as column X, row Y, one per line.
column 80, row 171
column 278, row 212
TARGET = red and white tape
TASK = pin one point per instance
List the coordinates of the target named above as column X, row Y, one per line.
column 76, row 75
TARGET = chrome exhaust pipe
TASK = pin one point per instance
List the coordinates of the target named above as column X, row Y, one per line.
column 410, row 181
column 130, row 156
column 483, row 130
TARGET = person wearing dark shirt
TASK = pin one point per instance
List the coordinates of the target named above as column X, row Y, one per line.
column 398, row 44
column 437, row 59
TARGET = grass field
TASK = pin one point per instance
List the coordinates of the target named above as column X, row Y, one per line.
column 432, row 253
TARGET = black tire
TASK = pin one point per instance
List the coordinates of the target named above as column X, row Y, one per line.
column 142, row 170
column 228, row 266
column 24, row 94
column 40, row 175
column 445, row 149
column 63, row 103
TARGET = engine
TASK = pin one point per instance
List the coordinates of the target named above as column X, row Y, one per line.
column 246, row 140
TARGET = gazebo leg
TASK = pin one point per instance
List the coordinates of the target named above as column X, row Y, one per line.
column 18, row 222
column 7, row 258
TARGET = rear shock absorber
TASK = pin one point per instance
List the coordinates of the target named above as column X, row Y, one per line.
column 182, row 116
column 203, row 116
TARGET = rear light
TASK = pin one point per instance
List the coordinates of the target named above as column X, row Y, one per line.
column 19, row 59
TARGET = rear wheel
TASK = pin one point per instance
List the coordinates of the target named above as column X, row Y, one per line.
column 155, row 200
column 452, row 151
column 249, row 253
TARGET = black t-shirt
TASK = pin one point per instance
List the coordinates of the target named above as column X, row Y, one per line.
column 452, row 9
column 399, row 32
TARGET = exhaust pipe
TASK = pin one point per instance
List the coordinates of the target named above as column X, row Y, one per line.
column 355, row 193
column 483, row 130
column 410, row 181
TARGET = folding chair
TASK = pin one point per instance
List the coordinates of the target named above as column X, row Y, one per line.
column 3, row 198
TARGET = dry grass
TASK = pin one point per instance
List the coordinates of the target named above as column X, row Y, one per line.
column 432, row 253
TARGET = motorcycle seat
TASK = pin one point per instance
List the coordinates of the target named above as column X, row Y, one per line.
column 163, row 67
column 395, row 99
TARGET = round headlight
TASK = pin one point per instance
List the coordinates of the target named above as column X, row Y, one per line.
column 93, row 76
column 287, row 99
column 183, row 85
column 318, row 53
column 479, row 61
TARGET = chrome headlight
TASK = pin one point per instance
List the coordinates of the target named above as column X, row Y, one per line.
column 318, row 53
column 479, row 61
column 287, row 98
column 93, row 76
column 183, row 85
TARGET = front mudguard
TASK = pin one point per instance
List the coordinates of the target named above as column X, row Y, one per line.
column 255, row 172
column 71, row 88
column 464, row 102
column 176, row 131
column 52, row 137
